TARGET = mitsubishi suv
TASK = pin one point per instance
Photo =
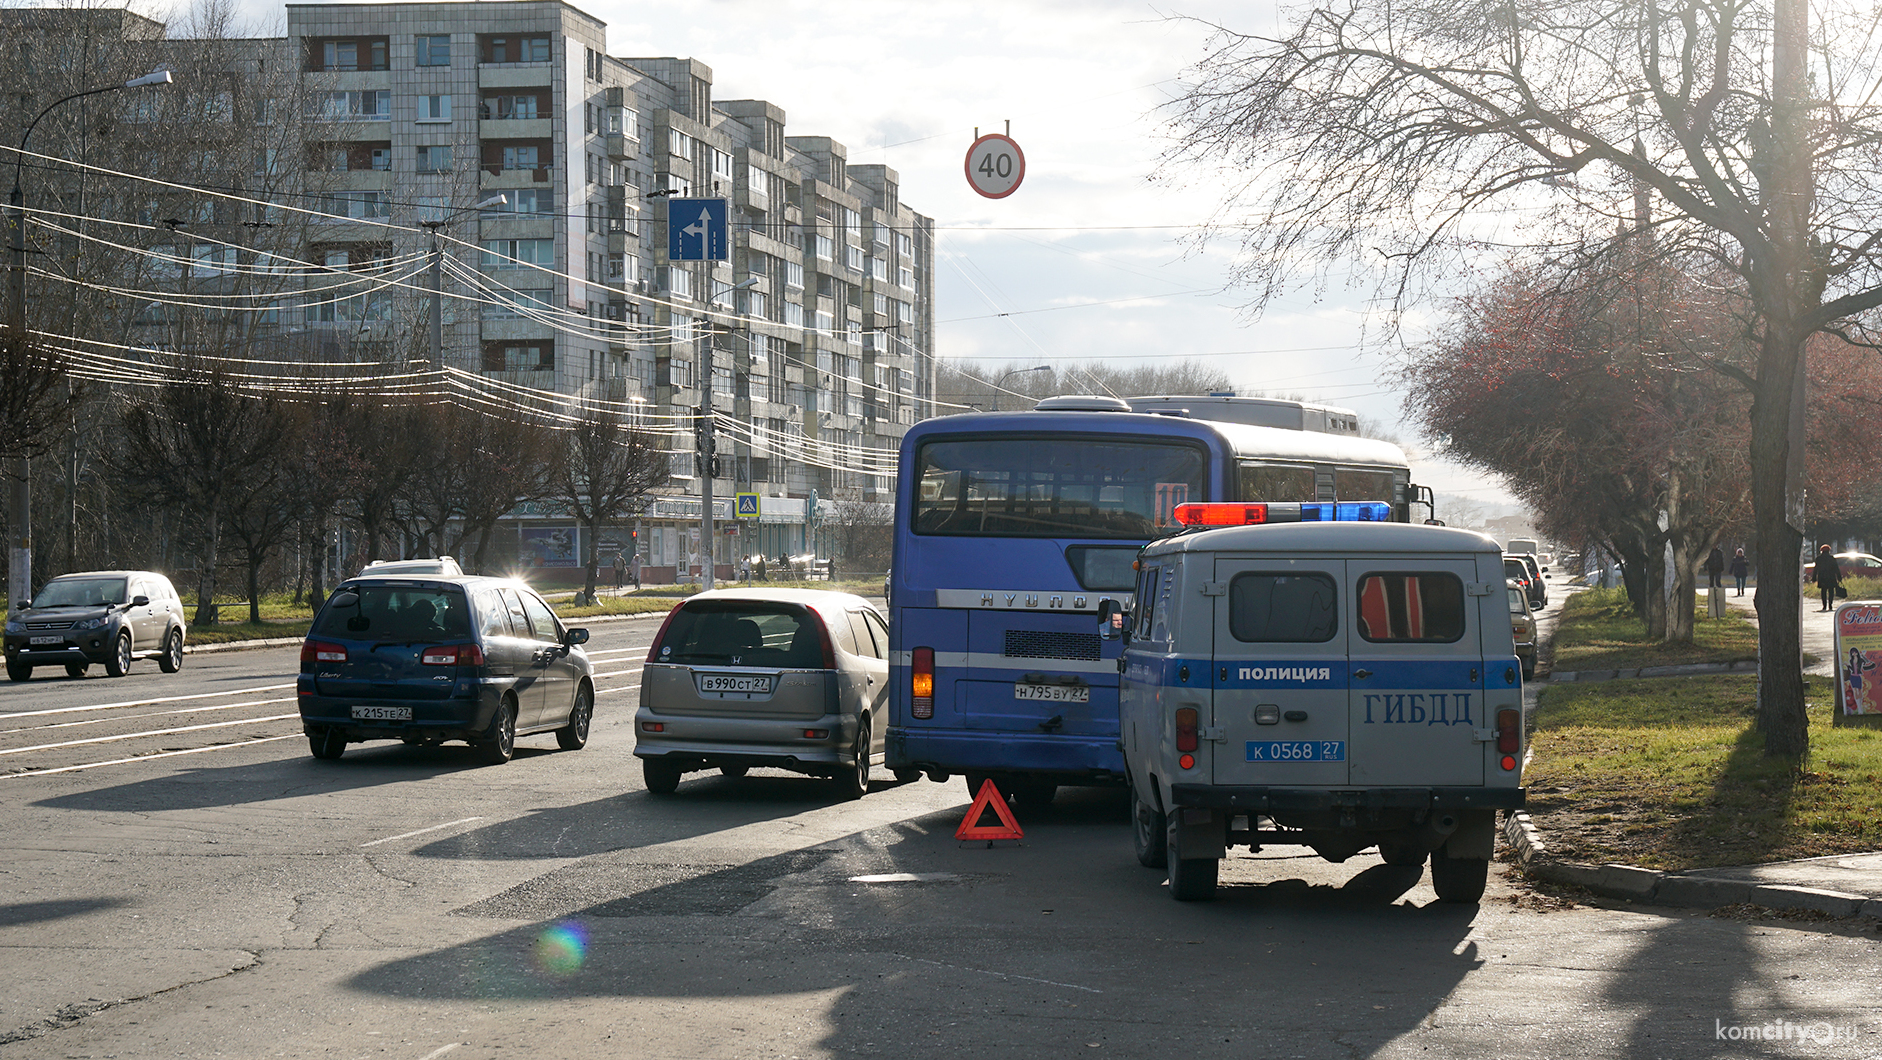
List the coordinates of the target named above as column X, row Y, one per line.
column 106, row 616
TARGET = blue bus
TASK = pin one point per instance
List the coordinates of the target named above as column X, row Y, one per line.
column 1011, row 528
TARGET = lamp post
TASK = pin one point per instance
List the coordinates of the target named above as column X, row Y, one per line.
column 20, row 497
column 708, row 446
column 1017, row 371
column 437, row 271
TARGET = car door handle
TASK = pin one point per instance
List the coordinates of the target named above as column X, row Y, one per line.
column 1362, row 673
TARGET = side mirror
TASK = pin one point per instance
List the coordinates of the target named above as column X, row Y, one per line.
column 24, row 604
column 1113, row 621
column 140, row 601
column 575, row 636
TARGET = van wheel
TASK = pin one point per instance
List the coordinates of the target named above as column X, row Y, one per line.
column 1149, row 833
column 1191, row 879
column 499, row 744
column 661, row 778
column 1401, row 853
column 1458, row 879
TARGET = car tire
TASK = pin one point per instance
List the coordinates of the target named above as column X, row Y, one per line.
column 1191, row 879
column 734, row 772
column 19, row 671
column 661, row 778
column 1529, row 669
column 172, row 658
column 499, row 743
column 326, row 744
column 1401, row 853
column 853, row 783
column 1458, row 880
column 76, row 669
column 119, row 663
column 1149, row 833
column 574, row 735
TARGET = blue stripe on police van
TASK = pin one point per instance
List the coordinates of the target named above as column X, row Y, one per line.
column 1420, row 673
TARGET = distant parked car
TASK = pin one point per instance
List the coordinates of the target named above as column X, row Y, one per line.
column 1853, row 564
column 1517, row 571
column 1523, row 628
column 430, row 658
column 791, row 679
column 107, row 616
column 1538, row 581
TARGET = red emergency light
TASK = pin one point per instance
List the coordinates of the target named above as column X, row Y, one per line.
column 1221, row 514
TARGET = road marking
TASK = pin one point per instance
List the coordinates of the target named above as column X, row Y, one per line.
column 145, row 702
column 1001, row 975
column 436, row 1053
column 611, row 691
column 422, row 831
column 146, row 758
column 149, row 732
column 135, row 717
column 621, row 673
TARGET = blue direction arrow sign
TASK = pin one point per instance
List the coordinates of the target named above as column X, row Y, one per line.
column 696, row 230
column 748, row 506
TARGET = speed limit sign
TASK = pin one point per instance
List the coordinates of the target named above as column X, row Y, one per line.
column 995, row 166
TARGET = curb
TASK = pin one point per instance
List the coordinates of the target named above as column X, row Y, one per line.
column 1681, row 670
column 289, row 642
column 1650, row 886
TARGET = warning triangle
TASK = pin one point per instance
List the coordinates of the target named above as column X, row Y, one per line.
column 971, row 828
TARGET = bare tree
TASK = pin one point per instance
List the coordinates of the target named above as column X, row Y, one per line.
column 1000, row 385
column 607, row 468
column 1411, row 136
column 861, row 531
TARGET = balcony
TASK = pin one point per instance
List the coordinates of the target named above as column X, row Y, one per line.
column 514, row 129
column 515, row 75
column 622, row 148
column 496, row 178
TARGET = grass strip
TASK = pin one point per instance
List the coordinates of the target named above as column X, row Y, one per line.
column 1667, row 773
column 1599, row 631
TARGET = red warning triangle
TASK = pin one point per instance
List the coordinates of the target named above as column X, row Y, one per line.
column 971, row 828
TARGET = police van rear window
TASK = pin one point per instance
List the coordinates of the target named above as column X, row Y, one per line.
column 1411, row 607
column 1283, row 608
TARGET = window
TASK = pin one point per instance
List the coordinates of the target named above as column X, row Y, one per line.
column 352, row 106
column 359, row 205
column 433, row 51
column 1283, row 608
column 749, row 633
column 1262, row 482
column 721, row 166
column 511, row 253
column 511, row 107
column 516, row 49
column 904, row 245
column 853, row 257
column 793, row 275
column 1352, row 484
column 340, row 55
column 757, row 180
column 1416, row 608
column 1052, row 487
column 519, row 356
column 905, row 277
column 434, row 108
column 820, row 245
column 904, row 312
column 436, row 159
column 879, row 269
column 521, row 157
column 794, row 314
column 512, row 304
column 680, row 186
column 679, row 281
column 826, row 321
column 534, row 50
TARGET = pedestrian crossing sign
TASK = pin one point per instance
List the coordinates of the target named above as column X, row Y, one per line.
column 748, row 506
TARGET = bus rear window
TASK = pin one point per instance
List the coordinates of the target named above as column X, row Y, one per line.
column 1053, row 487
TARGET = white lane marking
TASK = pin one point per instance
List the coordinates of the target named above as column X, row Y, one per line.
column 436, row 1053
column 1001, row 975
column 621, row 673
column 421, row 831
column 135, row 717
column 145, row 702
column 146, row 758
column 611, row 691
column 617, row 651
column 150, row 732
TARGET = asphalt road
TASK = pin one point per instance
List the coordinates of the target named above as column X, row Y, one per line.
column 173, row 889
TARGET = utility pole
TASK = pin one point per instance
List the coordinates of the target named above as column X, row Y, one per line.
column 437, row 272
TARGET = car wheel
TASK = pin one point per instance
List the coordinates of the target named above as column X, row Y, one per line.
column 733, row 772
column 1529, row 669
column 326, row 744
column 574, row 735
column 854, row 783
column 76, row 669
column 1400, row 853
column 1149, row 833
column 1458, row 880
column 661, row 778
column 119, row 663
column 1191, row 879
column 499, row 744
column 19, row 671
column 172, row 658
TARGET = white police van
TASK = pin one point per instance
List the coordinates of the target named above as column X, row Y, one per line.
column 1330, row 684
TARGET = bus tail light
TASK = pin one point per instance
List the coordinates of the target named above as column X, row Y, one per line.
column 1186, row 729
column 921, row 683
column 1509, row 731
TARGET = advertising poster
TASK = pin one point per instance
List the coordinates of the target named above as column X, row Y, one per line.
column 1859, row 658
column 549, row 546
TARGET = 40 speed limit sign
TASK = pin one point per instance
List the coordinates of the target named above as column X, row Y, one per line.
column 995, row 166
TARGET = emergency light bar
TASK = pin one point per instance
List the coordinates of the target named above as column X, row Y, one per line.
column 1230, row 514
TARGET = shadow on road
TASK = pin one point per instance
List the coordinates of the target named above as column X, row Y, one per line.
column 22, row 913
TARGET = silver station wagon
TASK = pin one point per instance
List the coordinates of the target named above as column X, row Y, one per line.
column 791, row 679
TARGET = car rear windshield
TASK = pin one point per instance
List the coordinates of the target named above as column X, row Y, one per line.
column 389, row 612
column 81, row 592
column 744, row 633
column 1054, row 487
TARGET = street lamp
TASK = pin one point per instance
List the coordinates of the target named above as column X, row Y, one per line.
column 1017, row 371
column 437, row 271
column 707, row 444
column 20, row 499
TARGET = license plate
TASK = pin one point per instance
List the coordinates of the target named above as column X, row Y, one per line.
column 48, row 640
column 733, row 683
column 1053, row 693
column 1297, row 750
column 382, row 713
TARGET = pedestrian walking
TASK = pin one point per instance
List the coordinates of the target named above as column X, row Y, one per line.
column 620, row 570
column 636, row 569
column 744, row 569
column 1829, row 577
column 760, row 566
column 1741, row 569
column 831, row 568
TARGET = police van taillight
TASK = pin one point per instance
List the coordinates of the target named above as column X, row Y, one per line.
column 1187, row 729
column 921, row 683
column 1509, row 736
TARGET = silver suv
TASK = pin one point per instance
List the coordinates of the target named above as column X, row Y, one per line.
column 106, row 616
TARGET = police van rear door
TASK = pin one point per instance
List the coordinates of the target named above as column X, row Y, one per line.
column 1281, row 675
column 1417, row 671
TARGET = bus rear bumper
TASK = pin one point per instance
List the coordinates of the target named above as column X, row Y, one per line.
column 1066, row 759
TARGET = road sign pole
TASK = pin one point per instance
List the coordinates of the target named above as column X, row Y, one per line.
column 707, row 541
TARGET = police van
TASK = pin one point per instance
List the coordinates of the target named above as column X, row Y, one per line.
column 1296, row 678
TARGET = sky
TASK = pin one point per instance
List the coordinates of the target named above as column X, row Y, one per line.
column 1088, row 260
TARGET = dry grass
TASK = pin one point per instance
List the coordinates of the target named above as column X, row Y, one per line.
column 1598, row 631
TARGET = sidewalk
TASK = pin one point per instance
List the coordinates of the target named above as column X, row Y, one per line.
column 1842, row 885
